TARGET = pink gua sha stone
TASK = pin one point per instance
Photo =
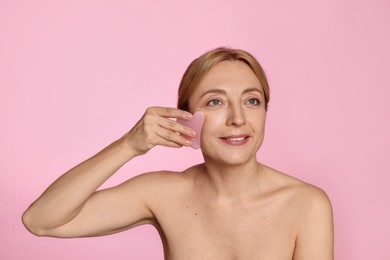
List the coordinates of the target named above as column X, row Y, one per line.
column 196, row 123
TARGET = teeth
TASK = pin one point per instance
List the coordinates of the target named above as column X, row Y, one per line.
column 236, row 139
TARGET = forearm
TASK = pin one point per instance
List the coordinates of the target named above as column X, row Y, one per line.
column 63, row 200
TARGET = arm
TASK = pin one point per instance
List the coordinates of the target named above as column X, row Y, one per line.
column 315, row 235
column 71, row 206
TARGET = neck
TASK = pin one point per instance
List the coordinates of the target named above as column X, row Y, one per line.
column 232, row 182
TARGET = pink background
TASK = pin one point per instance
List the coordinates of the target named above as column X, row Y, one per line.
column 76, row 75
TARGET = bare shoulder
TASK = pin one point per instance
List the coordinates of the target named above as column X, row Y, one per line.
column 310, row 211
column 305, row 199
column 160, row 184
column 296, row 187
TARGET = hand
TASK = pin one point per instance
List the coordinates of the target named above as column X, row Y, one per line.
column 156, row 127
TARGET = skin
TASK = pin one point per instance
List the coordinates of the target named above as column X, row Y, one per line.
column 229, row 207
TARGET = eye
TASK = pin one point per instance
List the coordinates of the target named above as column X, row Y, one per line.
column 253, row 102
column 214, row 103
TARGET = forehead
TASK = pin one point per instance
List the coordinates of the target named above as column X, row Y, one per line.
column 228, row 74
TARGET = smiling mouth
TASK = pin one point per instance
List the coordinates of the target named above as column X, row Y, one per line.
column 235, row 139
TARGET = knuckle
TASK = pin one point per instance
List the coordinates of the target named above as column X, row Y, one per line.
column 171, row 124
column 152, row 110
column 149, row 119
column 149, row 110
column 171, row 135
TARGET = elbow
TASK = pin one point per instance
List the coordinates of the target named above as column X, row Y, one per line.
column 30, row 225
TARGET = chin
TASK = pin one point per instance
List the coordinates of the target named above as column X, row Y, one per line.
column 231, row 159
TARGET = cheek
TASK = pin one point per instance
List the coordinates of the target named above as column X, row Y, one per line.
column 214, row 119
column 261, row 126
column 257, row 122
column 212, row 126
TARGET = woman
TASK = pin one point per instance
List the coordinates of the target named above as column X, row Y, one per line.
column 229, row 207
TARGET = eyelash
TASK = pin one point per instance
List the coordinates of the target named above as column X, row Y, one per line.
column 212, row 101
column 254, row 99
column 249, row 101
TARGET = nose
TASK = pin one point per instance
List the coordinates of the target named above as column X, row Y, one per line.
column 236, row 116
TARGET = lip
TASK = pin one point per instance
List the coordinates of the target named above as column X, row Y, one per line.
column 235, row 139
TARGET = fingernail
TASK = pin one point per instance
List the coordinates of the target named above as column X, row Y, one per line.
column 188, row 115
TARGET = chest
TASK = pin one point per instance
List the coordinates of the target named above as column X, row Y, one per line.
column 194, row 230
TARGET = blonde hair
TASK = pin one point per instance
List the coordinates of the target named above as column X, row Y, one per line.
column 200, row 66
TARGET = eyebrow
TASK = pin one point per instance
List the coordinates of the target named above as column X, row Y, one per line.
column 252, row 90
column 221, row 91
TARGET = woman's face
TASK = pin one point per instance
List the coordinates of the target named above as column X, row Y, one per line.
column 232, row 99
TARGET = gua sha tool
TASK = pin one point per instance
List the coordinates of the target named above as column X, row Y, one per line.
column 196, row 124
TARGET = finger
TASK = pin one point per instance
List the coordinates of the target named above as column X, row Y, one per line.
column 169, row 112
column 168, row 136
column 167, row 143
column 177, row 127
